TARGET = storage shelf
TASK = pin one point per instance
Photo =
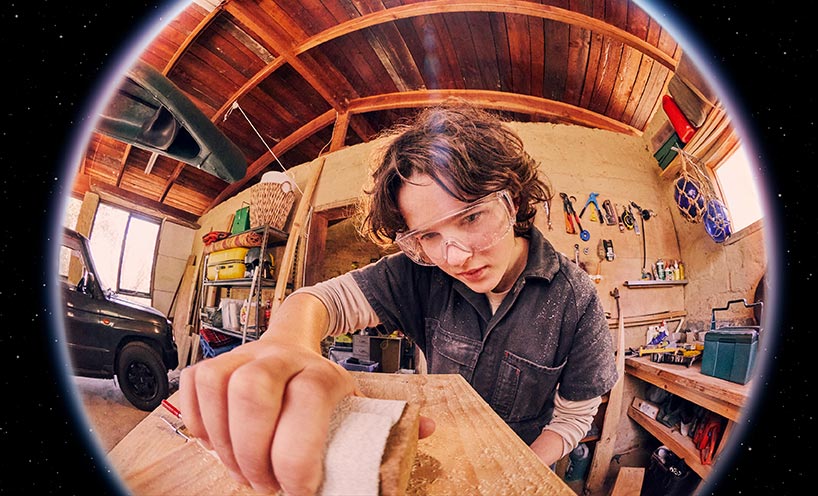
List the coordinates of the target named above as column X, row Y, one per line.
column 717, row 395
column 681, row 445
column 653, row 283
column 241, row 282
column 256, row 284
column 252, row 334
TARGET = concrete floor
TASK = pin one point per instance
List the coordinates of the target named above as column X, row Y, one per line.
column 109, row 414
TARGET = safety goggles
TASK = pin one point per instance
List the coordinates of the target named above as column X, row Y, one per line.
column 474, row 228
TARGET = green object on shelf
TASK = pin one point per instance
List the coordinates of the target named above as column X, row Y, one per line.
column 241, row 221
column 665, row 154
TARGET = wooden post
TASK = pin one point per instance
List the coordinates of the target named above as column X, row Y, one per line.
column 286, row 265
column 603, row 451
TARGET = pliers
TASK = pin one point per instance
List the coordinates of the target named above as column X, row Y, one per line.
column 571, row 216
column 592, row 199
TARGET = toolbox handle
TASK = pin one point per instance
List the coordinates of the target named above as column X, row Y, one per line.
column 759, row 304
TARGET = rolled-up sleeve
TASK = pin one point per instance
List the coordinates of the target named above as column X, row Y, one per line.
column 347, row 307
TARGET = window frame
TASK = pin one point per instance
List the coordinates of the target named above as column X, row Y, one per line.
column 116, row 285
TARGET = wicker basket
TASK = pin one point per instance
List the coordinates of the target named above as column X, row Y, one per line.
column 270, row 204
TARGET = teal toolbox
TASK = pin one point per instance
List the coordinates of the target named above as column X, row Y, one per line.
column 729, row 352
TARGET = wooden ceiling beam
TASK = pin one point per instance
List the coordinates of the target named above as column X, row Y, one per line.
column 531, row 9
column 289, row 51
column 280, row 148
column 136, row 202
column 284, row 47
column 287, row 55
column 495, row 100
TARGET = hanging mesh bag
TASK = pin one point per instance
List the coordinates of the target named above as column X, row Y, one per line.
column 691, row 189
column 717, row 221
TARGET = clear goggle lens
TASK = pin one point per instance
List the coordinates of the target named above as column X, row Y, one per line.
column 474, row 228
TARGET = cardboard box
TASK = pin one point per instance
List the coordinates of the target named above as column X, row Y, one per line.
column 382, row 349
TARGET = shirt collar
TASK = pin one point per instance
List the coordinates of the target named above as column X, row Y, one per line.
column 542, row 257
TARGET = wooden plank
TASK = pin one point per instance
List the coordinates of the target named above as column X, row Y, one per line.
column 603, row 451
column 181, row 312
column 628, row 481
column 472, row 450
column 285, row 267
column 653, row 318
column 557, row 52
column 681, row 445
column 606, row 73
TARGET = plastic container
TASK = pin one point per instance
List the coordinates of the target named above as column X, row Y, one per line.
column 357, row 365
column 209, row 351
column 231, row 313
column 729, row 352
column 227, row 264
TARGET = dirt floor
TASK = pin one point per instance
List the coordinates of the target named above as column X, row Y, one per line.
column 109, row 414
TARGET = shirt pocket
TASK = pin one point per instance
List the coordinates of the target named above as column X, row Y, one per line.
column 522, row 387
column 451, row 353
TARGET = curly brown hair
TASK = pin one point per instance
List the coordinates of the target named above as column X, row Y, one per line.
column 467, row 151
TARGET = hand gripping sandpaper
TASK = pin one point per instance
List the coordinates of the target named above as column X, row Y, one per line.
column 370, row 451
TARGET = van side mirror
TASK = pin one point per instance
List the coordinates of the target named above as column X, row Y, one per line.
column 86, row 283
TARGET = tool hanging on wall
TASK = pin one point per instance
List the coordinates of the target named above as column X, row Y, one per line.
column 607, row 244
column 547, row 207
column 576, row 258
column 635, row 224
column 569, row 222
column 626, row 218
column 644, row 214
column 610, row 214
column 597, row 212
column 584, row 235
column 619, row 220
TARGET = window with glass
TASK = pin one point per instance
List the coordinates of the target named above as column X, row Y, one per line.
column 739, row 189
column 124, row 248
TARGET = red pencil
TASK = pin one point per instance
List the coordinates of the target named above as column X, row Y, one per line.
column 172, row 409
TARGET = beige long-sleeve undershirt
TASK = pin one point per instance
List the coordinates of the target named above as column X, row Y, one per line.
column 349, row 310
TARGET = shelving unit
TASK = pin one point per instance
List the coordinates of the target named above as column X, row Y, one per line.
column 256, row 285
column 717, row 395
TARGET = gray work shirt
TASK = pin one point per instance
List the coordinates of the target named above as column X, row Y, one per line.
column 549, row 330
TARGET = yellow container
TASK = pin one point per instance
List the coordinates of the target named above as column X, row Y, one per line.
column 226, row 264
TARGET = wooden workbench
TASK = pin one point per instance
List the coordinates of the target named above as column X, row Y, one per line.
column 471, row 452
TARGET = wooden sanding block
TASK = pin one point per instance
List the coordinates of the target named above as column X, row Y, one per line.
column 192, row 470
column 399, row 455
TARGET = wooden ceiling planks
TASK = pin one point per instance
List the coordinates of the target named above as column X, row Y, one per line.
column 557, row 57
column 294, row 66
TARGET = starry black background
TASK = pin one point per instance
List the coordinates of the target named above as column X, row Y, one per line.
column 54, row 54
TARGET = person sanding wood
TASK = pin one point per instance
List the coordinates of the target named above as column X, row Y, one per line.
column 476, row 285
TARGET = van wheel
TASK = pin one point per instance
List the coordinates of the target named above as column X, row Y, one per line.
column 142, row 376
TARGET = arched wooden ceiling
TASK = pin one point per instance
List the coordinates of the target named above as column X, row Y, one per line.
column 288, row 80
